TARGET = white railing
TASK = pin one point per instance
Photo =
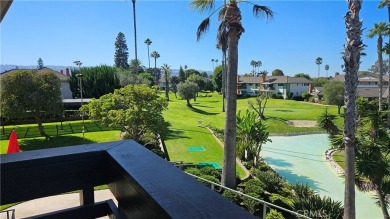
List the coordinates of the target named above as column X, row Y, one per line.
column 265, row 204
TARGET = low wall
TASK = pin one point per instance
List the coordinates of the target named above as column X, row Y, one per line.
column 335, row 166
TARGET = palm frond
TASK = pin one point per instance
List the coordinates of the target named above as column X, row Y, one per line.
column 259, row 10
column 383, row 3
column 203, row 27
column 221, row 14
column 202, row 5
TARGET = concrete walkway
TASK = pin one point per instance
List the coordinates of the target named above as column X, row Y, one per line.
column 302, row 159
column 55, row 203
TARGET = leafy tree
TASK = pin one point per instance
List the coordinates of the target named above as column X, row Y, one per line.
column 303, row 75
column 126, row 77
column 174, row 89
column 136, row 108
column 334, row 93
column 96, row 81
column 190, row 72
column 277, row 72
column 217, row 78
column 182, row 75
column 209, row 86
column 187, row 90
column 375, row 67
column 351, row 62
column 319, row 82
column 40, row 63
column 136, row 67
column 251, row 135
column 230, row 18
column 319, row 62
column 379, row 30
column 197, row 79
column 147, row 76
column 28, row 93
column 204, row 74
column 167, row 72
column 305, row 96
column 121, row 54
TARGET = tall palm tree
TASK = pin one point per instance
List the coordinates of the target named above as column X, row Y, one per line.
column 216, row 62
column 258, row 65
column 167, row 72
column 135, row 35
column 383, row 4
column 148, row 42
column 318, row 62
column 351, row 58
column 155, row 55
column 212, row 62
column 379, row 30
column 230, row 17
column 326, row 69
column 253, row 64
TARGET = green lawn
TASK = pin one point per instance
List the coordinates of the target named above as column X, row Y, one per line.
column 184, row 130
column 339, row 157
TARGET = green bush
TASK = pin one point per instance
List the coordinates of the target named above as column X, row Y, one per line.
column 232, row 196
column 158, row 152
column 274, row 214
column 193, row 171
column 254, row 186
column 209, row 178
column 210, row 171
column 306, row 95
column 251, row 205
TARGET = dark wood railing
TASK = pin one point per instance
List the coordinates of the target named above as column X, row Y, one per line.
column 144, row 185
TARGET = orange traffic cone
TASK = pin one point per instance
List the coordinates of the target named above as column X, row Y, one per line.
column 13, row 145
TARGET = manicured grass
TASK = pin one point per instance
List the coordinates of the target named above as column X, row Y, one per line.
column 184, row 130
column 339, row 157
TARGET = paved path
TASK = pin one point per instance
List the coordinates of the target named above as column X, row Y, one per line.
column 302, row 159
column 55, row 203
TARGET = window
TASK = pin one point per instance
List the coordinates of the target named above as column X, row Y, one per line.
column 305, row 84
column 280, row 84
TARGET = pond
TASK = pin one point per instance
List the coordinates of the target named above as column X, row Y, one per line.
column 302, row 159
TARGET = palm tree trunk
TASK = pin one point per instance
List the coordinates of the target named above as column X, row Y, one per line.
column 148, row 56
column 388, row 84
column 135, row 39
column 382, row 203
column 352, row 62
column 166, row 86
column 380, row 60
column 233, row 16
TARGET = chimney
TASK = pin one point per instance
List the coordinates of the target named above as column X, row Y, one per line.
column 62, row 71
column 67, row 72
column 262, row 78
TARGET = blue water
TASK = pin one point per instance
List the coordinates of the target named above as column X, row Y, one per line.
column 302, row 159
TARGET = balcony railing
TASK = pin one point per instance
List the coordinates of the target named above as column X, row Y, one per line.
column 145, row 185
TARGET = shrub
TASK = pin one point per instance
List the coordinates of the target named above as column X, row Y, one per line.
column 254, row 186
column 306, row 95
column 251, row 205
column 274, row 214
column 159, row 153
column 232, row 196
column 209, row 178
column 297, row 98
column 273, row 96
column 210, row 171
column 193, row 171
column 290, row 95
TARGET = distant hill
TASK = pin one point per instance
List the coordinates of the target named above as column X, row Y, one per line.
column 3, row 68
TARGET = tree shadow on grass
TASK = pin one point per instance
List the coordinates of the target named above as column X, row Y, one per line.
column 202, row 111
column 52, row 142
column 275, row 118
column 174, row 134
column 198, row 105
column 284, row 110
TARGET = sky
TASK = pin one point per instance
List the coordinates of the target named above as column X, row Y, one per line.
column 61, row 32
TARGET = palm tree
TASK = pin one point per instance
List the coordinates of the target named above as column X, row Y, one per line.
column 135, row 35
column 155, row 55
column 383, row 4
column 351, row 58
column 326, row 69
column 253, row 64
column 148, row 42
column 167, row 71
column 379, row 30
column 212, row 62
column 318, row 62
column 216, row 62
column 230, row 17
column 258, row 65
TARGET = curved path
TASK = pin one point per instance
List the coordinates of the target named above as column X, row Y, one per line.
column 302, row 159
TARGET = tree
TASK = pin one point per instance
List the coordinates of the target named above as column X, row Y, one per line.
column 375, row 67
column 326, row 122
column 230, row 18
column 135, row 66
column 319, row 82
column 174, row 89
column 121, row 54
column 190, row 72
column 148, row 42
column 251, row 134
column 379, row 30
column 135, row 37
column 318, row 62
column 261, row 102
column 334, row 94
column 136, row 108
column 126, row 77
column 187, row 90
column 217, row 78
column 167, row 72
column 303, row 75
column 40, row 63
column 182, row 75
column 96, row 82
column 212, row 62
column 383, row 4
column 326, row 69
column 277, row 72
column 351, row 62
column 155, row 55
column 29, row 93
column 197, row 79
